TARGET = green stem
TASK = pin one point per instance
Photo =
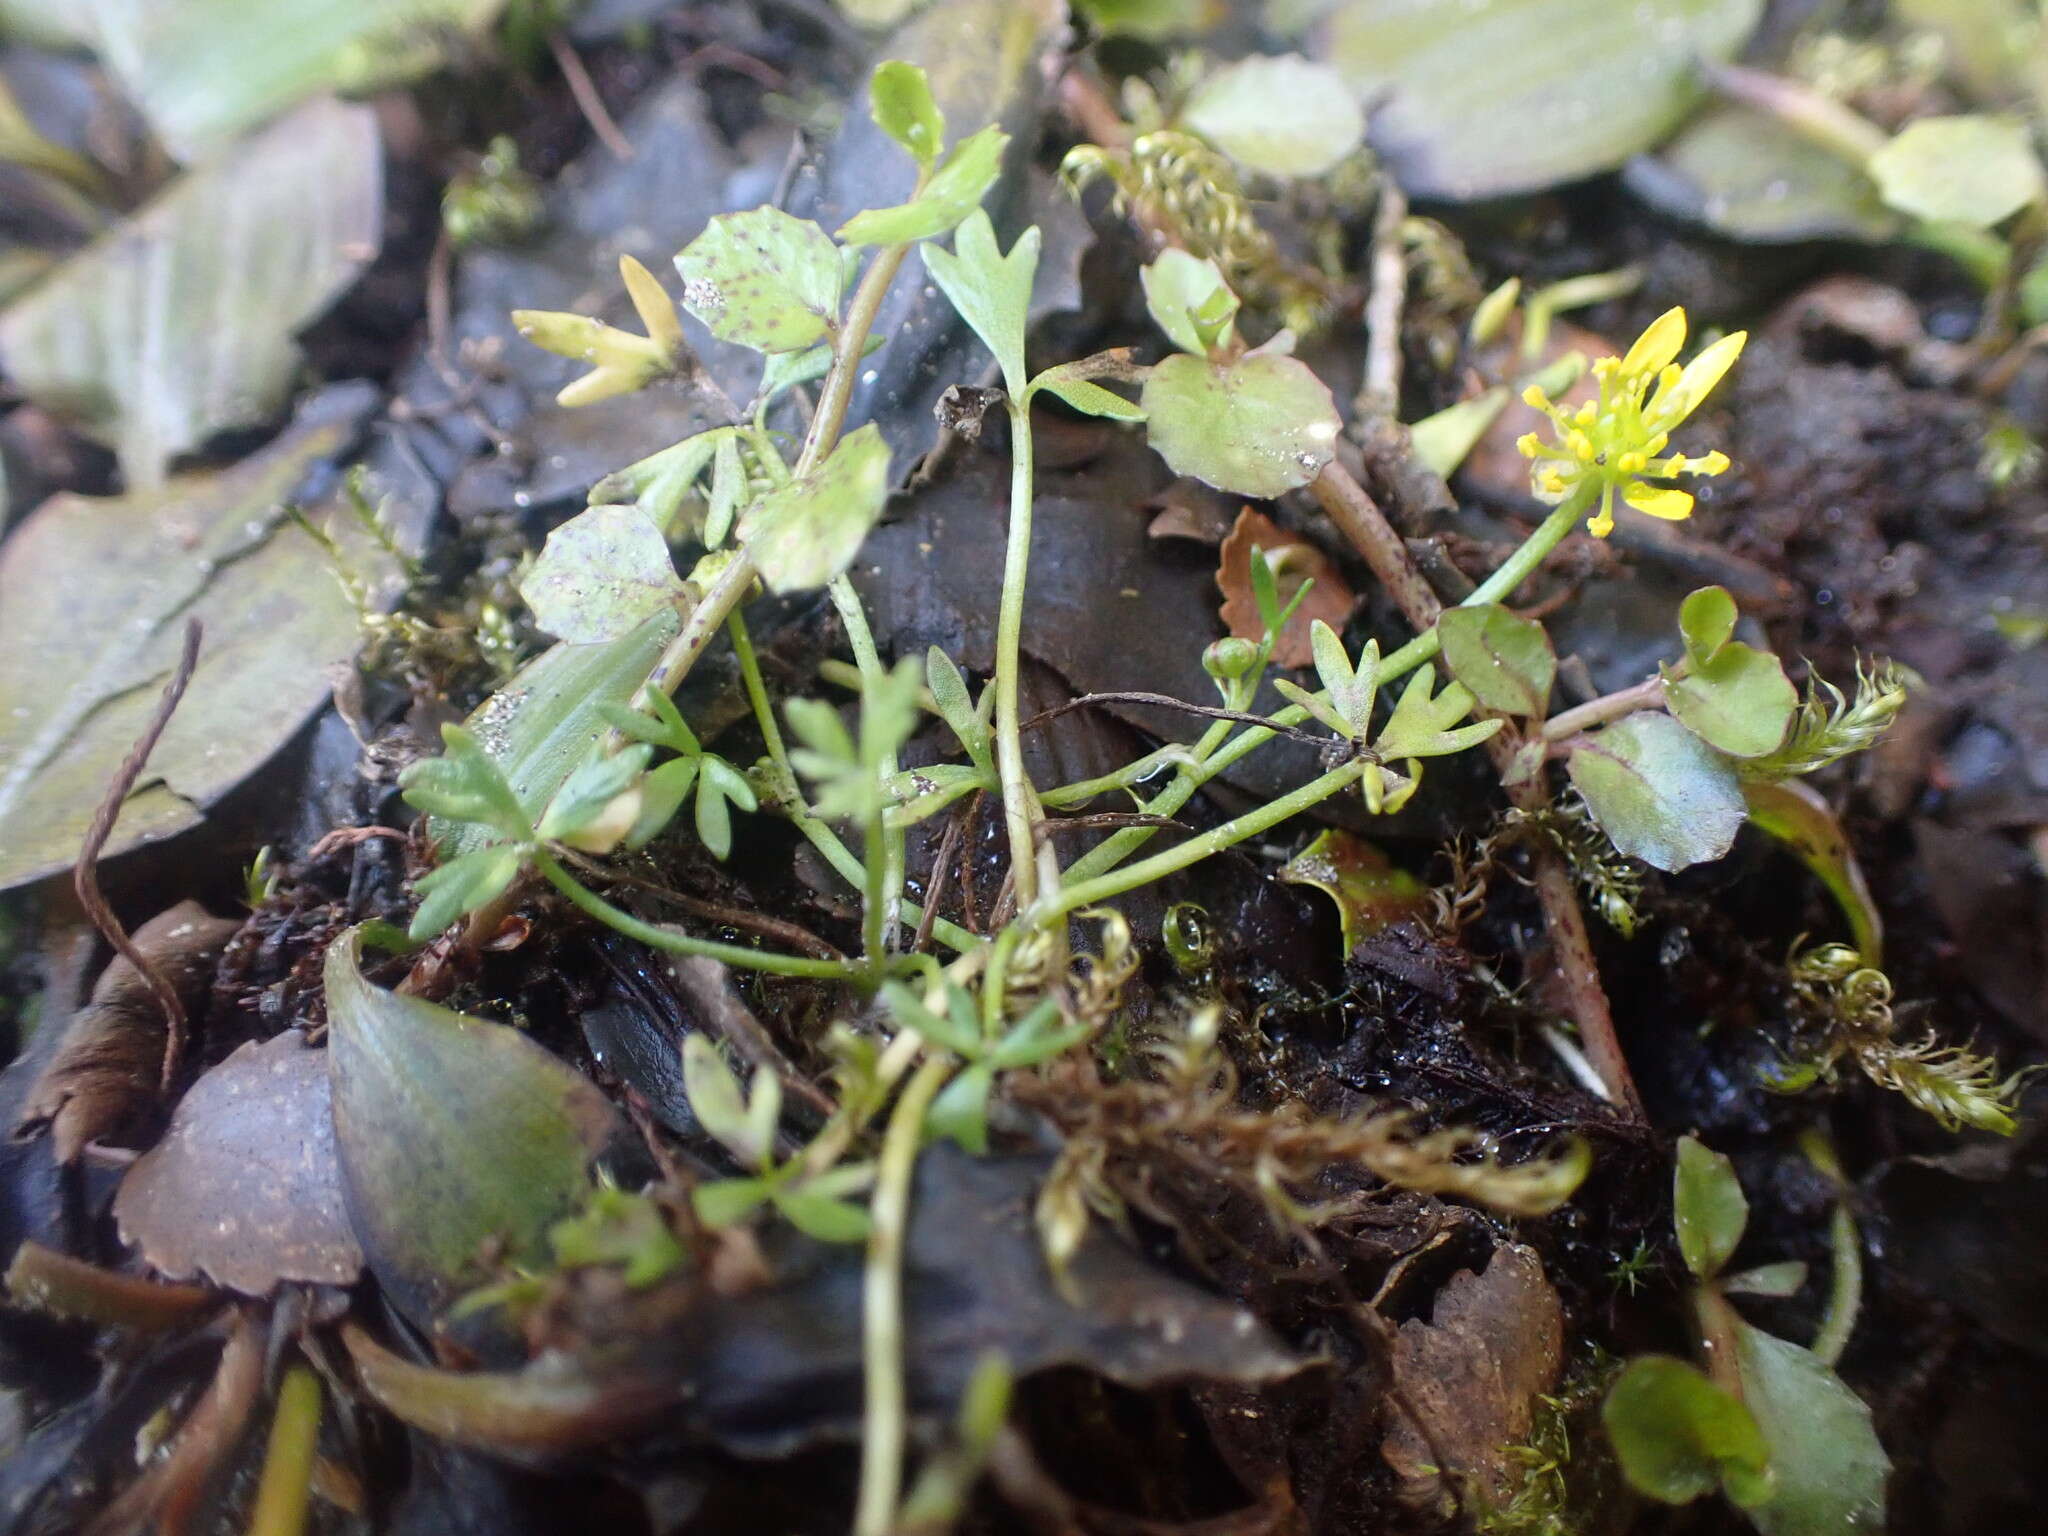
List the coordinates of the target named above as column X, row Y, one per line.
column 1020, row 800
column 885, row 850
column 1845, row 1293
column 1501, row 585
column 282, row 1495
column 881, row 1454
column 1078, row 894
column 667, row 939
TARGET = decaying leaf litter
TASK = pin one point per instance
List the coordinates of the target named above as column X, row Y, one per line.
column 1025, row 1036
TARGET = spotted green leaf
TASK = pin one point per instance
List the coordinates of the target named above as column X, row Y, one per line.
column 762, row 279
column 599, row 575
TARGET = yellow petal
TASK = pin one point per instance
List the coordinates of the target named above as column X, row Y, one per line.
column 1658, row 345
column 1666, row 502
column 1698, row 380
column 657, row 311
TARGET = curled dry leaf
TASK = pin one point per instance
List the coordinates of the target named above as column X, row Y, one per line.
column 1472, row 1374
column 245, row 1187
column 1294, row 561
column 113, row 1048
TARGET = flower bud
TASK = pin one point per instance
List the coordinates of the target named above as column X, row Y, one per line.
column 1229, row 659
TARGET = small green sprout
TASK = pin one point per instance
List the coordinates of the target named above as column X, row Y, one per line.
column 1614, row 442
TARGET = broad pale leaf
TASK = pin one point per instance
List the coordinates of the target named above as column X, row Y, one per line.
column 1259, row 426
column 1827, row 1462
column 1746, row 175
column 1976, row 171
column 1490, row 97
column 178, row 323
column 1659, row 793
column 1282, row 115
column 1506, row 660
column 94, row 594
column 807, row 532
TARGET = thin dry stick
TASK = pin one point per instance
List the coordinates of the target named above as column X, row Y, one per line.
column 1362, row 522
column 942, row 870
column 1381, row 392
column 588, row 102
column 86, row 878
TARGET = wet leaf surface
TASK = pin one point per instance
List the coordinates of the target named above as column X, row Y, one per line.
column 458, row 1139
column 178, row 324
column 245, row 1186
column 1744, row 175
column 1658, row 792
column 93, row 597
column 1508, row 96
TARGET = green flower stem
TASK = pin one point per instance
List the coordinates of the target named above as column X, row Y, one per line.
column 1020, row 800
column 704, row 621
column 1516, row 569
column 884, row 850
column 881, row 1452
column 1845, row 1293
column 667, row 939
column 283, row 1493
column 1078, row 894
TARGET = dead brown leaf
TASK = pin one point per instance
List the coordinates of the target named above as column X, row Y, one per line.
column 245, row 1186
column 1471, row 1375
column 107, row 1066
column 1294, row 561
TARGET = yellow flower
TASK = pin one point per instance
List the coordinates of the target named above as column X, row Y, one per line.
column 1618, row 440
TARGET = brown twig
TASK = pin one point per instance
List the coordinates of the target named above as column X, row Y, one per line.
column 942, row 871
column 795, row 936
column 86, row 879
column 1104, row 821
column 588, row 102
column 1168, row 701
column 1380, row 394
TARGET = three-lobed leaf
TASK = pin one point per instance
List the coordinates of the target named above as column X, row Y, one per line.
column 990, row 289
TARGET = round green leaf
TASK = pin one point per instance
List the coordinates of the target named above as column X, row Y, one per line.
column 1677, row 1435
column 1830, row 1467
column 1707, row 621
column 1284, row 115
column 600, row 575
column 1709, row 1209
column 762, row 279
column 1959, row 170
column 1504, row 659
column 1746, row 175
column 1659, row 793
column 1259, row 426
column 1189, row 299
column 804, row 533
column 1740, row 702
column 1490, row 97
column 900, row 101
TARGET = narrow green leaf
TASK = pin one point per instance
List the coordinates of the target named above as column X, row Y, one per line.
column 961, row 1036
column 462, row 885
column 954, row 192
column 1794, row 813
column 716, row 1100
column 900, row 101
column 463, row 784
column 822, row 1217
column 960, row 1112
column 662, row 794
column 725, row 1202
column 588, row 791
column 1709, row 1209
